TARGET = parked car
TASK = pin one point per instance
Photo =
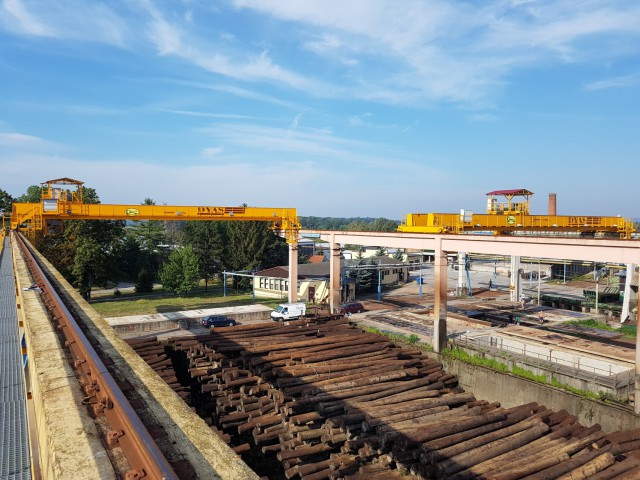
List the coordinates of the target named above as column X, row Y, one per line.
column 353, row 307
column 218, row 321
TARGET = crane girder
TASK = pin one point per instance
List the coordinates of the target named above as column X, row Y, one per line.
column 34, row 216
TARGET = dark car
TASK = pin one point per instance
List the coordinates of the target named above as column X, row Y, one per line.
column 218, row 321
column 353, row 307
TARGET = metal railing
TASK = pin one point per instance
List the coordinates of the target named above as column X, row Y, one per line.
column 555, row 366
column 104, row 396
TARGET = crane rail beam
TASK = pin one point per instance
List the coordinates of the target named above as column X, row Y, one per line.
column 104, row 396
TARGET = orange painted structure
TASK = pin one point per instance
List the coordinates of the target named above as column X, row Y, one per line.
column 510, row 217
column 63, row 199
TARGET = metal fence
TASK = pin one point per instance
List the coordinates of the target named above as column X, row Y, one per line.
column 604, row 377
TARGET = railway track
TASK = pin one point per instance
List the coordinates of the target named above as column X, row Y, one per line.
column 132, row 450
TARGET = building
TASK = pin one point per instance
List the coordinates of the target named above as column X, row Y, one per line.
column 314, row 278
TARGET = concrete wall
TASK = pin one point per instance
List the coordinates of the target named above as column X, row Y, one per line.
column 171, row 320
column 510, row 391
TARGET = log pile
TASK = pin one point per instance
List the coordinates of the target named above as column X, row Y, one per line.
column 327, row 401
column 154, row 353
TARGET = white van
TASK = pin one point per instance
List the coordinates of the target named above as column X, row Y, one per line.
column 289, row 311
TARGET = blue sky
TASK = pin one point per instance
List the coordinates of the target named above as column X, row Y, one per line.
column 337, row 108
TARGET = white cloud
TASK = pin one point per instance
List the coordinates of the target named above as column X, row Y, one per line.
column 22, row 20
column 211, row 151
column 67, row 19
column 626, row 81
column 483, row 117
column 409, row 53
column 14, row 141
column 20, row 140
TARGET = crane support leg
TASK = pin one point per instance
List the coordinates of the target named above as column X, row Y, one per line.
column 626, row 307
column 334, row 287
column 293, row 273
column 440, row 301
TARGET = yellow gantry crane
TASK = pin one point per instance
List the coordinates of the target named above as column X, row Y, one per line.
column 62, row 199
column 513, row 215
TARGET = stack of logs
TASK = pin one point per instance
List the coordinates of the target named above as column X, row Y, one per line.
column 154, row 353
column 327, row 401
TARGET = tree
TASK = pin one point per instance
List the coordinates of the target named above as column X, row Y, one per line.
column 6, row 201
column 93, row 243
column 145, row 281
column 180, row 273
column 399, row 255
column 86, row 253
column 364, row 276
column 381, row 252
column 207, row 240
column 33, row 195
column 383, row 225
column 252, row 245
column 150, row 233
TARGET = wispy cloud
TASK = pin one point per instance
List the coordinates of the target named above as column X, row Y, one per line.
column 193, row 113
column 20, row 19
column 21, row 140
column 211, row 152
column 410, row 53
column 483, row 117
column 90, row 21
column 625, row 81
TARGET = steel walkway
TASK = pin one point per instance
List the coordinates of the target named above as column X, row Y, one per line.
column 14, row 446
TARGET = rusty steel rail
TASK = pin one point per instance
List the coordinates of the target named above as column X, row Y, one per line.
column 104, row 396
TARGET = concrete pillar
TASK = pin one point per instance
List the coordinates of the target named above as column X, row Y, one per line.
column 462, row 289
column 627, row 293
column 440, row 300
column 515, row 284
column 334, row 279
column 636, row 402
column 293, row 273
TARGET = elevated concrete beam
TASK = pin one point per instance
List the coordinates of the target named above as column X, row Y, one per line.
column 190, row 438
column 67, row 439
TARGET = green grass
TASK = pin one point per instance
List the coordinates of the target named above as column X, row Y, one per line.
column 626, row 330
column 521, row 372
column 399, row 338
column 172, row 303
column 463, row 356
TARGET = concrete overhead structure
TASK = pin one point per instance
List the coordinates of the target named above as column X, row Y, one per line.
column 586, row 249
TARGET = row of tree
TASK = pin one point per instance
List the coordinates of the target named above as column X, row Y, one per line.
column 361, row 224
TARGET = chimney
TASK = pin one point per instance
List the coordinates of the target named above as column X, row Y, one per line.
column 552, row 204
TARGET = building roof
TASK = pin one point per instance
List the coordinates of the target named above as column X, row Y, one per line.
column 316, row 259
column 322, row 269
column 275, row 272
column 515, row 191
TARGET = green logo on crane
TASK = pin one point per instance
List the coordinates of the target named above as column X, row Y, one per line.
column 511, row 220
column 132, row 212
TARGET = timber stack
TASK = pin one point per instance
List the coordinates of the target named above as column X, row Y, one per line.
column 324, row 400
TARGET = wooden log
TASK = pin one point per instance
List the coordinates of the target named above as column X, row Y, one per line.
column 475, row 442
column 371, row 423
column 303, row 451
column 523, row 456
column 456, row 438
column 467, row 459
column 590, row 468
column 530, row 467
column 628, row 464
